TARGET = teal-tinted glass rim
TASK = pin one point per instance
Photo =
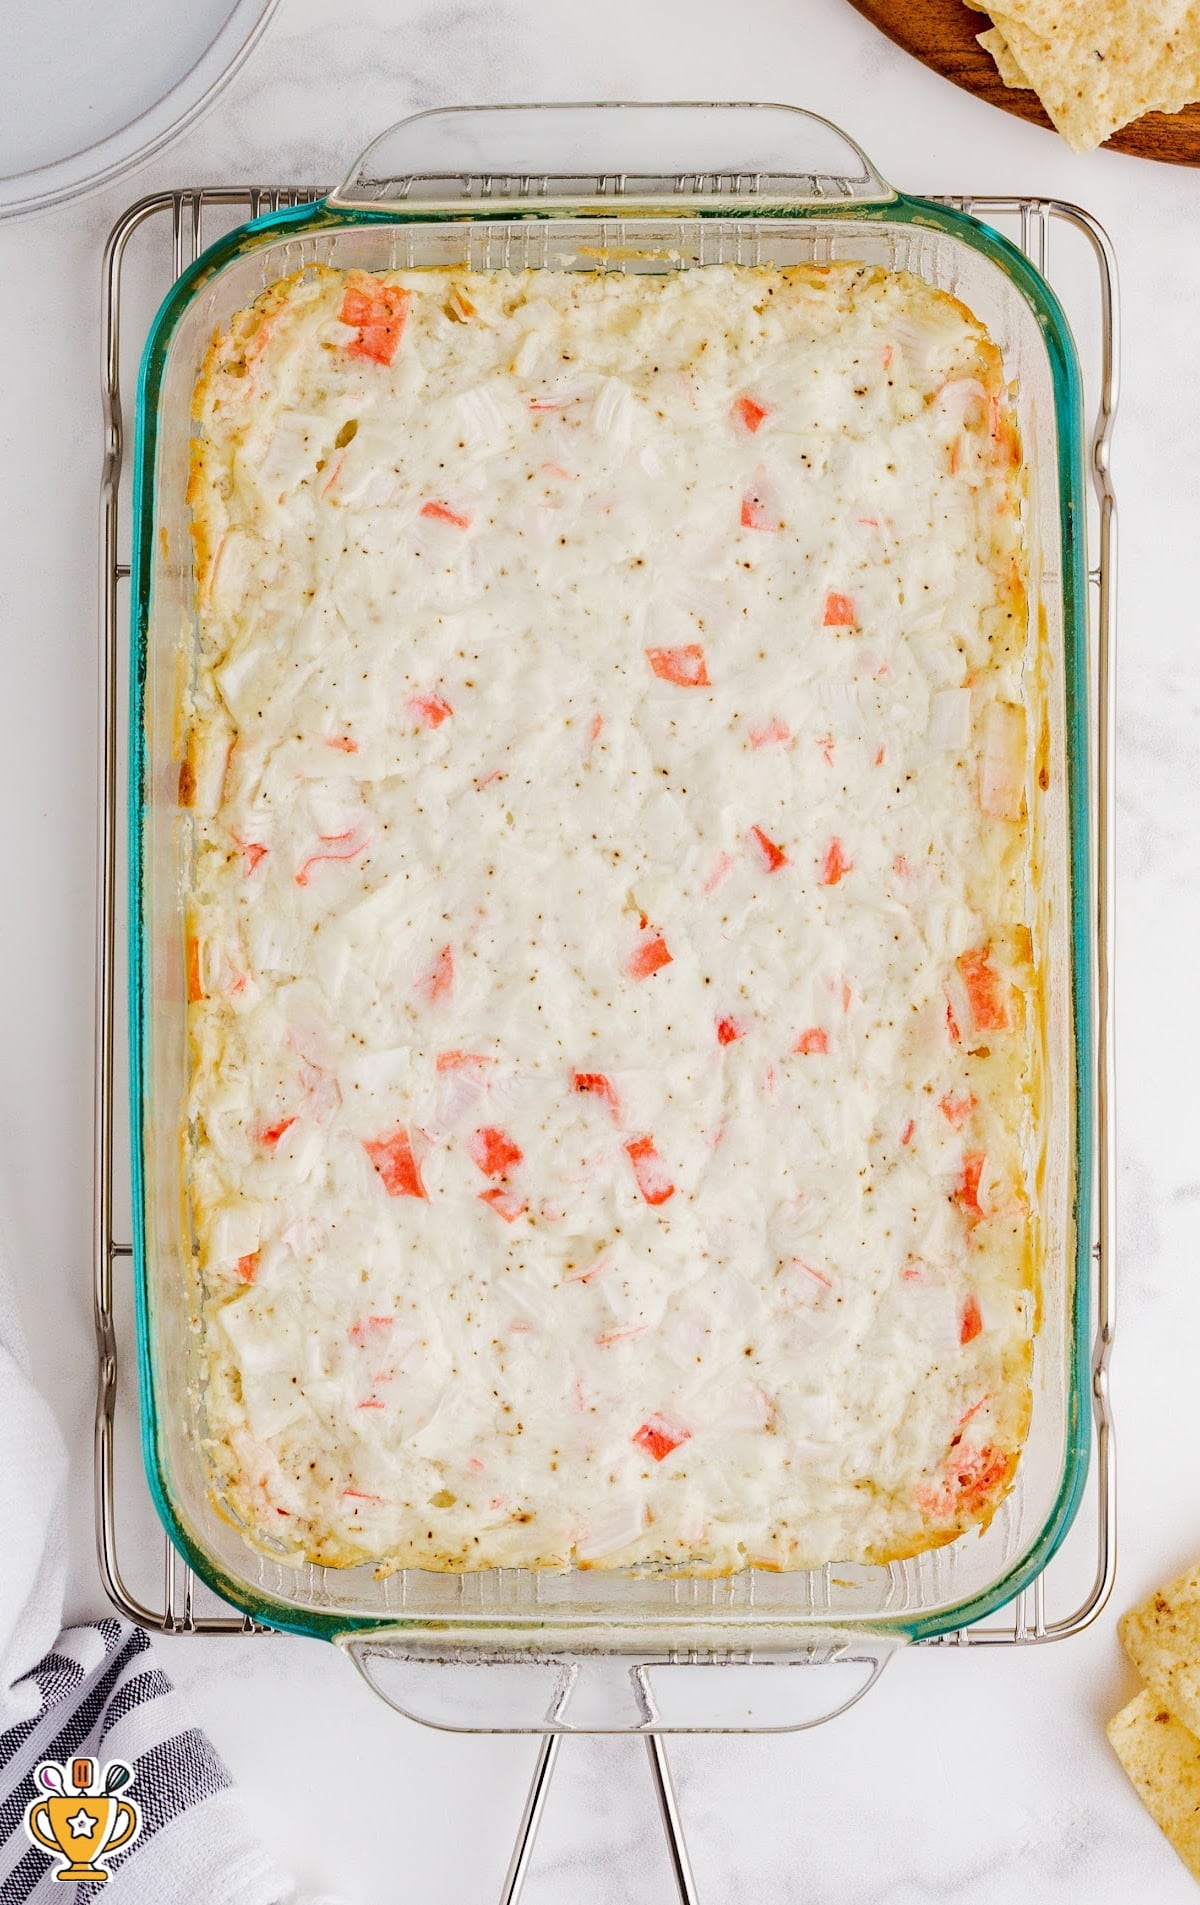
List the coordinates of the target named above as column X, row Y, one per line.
column 1068, row 406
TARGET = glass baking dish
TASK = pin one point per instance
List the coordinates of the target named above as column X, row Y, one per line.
column 636, row 189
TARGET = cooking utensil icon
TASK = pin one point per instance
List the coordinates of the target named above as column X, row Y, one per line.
column 78, row 1826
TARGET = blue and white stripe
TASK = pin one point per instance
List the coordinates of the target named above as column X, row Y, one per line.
column 98, row 1694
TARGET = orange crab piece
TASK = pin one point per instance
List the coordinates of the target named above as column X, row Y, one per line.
column 985, row 990
column 377, row 313
column 649, row 956
column 494, row 1151
column 839, row 611
column 685, row 665
column 659, row 1437
column 773, row 857
column 650, row 1171
column 966, row 1191
column 600, row 1086
column 393, row 1159
column 440, row 512
column 749, row 413
column 972, row 1321
column 835, row 866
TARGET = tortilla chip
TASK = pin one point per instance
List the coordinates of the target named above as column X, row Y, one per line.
column 1007, row 65
column 1162, row 1638
column 1163, row 1761
column 1097, row 64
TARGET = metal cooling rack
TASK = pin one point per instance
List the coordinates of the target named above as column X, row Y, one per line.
column 170, row 230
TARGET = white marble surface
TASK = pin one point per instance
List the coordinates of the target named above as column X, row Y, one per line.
column 975, row 1779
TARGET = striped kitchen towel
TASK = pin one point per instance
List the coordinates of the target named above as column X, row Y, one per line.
column 95, row 1692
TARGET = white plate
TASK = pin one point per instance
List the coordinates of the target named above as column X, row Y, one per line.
column 90, row 87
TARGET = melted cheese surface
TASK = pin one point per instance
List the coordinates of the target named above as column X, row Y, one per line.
column 612, row 1013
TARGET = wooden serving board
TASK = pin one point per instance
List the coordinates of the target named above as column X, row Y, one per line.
column 941, row 34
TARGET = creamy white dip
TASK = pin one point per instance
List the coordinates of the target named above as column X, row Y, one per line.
column 611, row 1010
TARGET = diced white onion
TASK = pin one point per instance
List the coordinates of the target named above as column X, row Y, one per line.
column 212, row 743
column 458, row 1092
column 234, row 1231
column 231, row 569
column 482, row 417
column 747, row 1408
column 614, row 410
column 377, row 1076
column 612, row 1528
column 950, row 720
column 959, row 396
column 296, row 445
column 273, row 1402
column 1002, row 767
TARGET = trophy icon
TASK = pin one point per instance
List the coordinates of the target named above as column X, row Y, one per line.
column 79, row 1825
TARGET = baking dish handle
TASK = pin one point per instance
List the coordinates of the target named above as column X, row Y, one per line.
column 609, row 157
column 512, row 1690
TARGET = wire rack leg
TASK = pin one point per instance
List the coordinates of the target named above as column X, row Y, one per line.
column 531, row 1817
column 668, row 1806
